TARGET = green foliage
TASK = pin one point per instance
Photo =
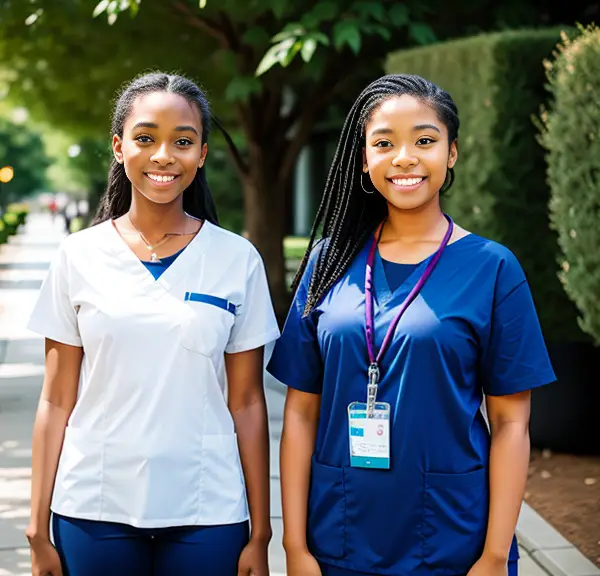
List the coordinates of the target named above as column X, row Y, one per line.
column 304, row 60
column 11, row 219
column 11, row 223
column 344, row 27
column 326, row 24
column 66, row 66
column 21, row 211
column 571, row 135
column 497, row 82
column 22, row 149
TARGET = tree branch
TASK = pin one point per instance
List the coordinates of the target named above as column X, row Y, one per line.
column 230, row 32
column 204, row 24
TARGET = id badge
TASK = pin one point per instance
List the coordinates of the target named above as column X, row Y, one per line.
column 369, row 437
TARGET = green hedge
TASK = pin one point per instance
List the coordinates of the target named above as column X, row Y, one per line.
column 15, row 216
column 497, row 81
column 11, row 223
column 572, row 138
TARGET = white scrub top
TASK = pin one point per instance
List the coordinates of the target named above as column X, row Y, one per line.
column 151, row 442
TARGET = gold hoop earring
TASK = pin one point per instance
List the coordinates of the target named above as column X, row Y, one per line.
column 362, row 184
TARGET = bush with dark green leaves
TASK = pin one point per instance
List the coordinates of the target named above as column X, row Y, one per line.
column 498, row 83
column 571, row 135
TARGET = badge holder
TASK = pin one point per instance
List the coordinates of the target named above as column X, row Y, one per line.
column 369, row 429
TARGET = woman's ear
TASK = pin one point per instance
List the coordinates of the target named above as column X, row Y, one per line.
column 204, row 153
column 453, row 155
column 117, row 146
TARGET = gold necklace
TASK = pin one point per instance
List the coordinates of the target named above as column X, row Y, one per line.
column 152, row 247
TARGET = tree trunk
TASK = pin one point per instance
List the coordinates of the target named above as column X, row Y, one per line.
column 264, row 219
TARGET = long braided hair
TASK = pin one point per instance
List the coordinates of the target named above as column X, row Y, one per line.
column 197, row 199
column 347, row 216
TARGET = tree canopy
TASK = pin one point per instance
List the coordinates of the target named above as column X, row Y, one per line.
column 272, row 69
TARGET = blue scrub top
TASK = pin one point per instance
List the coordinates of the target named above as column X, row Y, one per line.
column 473, row 330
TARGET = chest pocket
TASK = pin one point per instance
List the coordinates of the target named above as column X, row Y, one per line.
column 207, row 323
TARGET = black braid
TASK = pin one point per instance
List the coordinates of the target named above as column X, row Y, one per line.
column 197, row 199
column 347, row 217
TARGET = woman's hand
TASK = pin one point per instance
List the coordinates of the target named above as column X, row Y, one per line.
column 302, row 563
column 488, row 566
column 254, row 559
column 44, row 559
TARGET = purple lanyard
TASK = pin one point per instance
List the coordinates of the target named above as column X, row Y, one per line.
column 369, row 321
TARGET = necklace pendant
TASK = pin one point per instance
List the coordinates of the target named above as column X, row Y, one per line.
column 154, row 257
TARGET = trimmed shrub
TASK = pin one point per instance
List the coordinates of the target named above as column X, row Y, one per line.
column 571, row 135
column 3, row 232
column 20, row 209
column 497, row 81
column 11, row 222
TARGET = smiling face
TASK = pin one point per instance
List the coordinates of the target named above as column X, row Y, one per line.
column 407, row 153
column 161, row 147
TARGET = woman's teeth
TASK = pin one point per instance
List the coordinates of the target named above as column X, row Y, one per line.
column 157, row 178
column 407, row 181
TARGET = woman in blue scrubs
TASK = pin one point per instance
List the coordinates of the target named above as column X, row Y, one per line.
column 409, row 354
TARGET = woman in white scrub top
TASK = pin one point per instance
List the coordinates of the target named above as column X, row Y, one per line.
column 150, row 445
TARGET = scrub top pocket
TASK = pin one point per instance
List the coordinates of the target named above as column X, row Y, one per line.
column 206, row 324
column 455, row 516
column 326, row 512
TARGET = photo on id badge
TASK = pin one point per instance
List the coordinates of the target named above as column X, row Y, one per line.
column 369, row 435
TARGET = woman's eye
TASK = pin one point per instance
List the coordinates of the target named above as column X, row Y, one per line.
column 424, row 141
column 143, row 139
column 184, row 142
column 383, row 144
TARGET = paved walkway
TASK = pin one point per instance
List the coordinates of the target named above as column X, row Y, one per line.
column 23, row 265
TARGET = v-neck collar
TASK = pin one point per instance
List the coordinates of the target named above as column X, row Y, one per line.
column 382, row 287
column 161, row 286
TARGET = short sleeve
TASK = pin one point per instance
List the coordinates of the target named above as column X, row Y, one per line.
column 516, row 358
column 296, row 360
column 255, row 322
column 54, row 315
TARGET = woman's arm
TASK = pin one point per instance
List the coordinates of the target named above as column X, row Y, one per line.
column 509, row 461
column 58, row 397
column 300, row 422
column 246, row 400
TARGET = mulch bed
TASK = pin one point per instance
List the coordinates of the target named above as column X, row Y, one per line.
column 565, row 490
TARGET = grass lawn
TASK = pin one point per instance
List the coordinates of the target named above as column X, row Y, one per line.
column 294, row 247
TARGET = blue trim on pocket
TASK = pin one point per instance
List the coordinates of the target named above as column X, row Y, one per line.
column 212, row 300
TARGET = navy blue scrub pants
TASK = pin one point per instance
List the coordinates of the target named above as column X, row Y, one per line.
column 91, row 548
column 327, row 570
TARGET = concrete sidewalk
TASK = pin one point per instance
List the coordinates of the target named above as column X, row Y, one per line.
column 23, row 265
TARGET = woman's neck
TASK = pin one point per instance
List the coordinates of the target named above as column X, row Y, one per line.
column 411, row 226
column 155, row 220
